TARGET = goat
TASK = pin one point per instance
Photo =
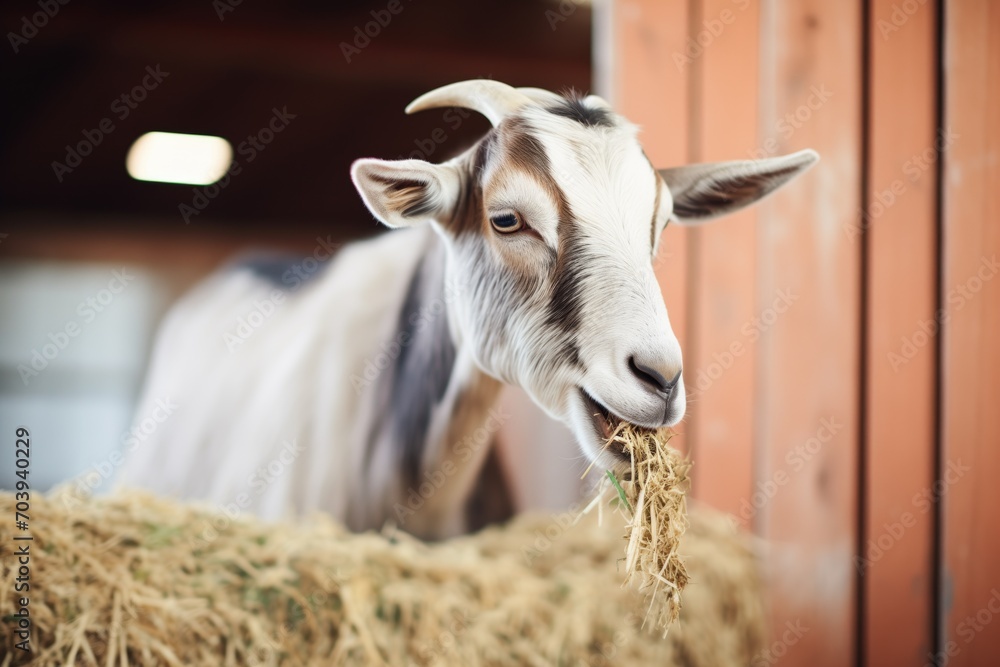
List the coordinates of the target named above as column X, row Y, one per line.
column 527, row 260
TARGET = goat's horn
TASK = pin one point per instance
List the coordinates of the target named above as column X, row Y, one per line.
column 490, row 98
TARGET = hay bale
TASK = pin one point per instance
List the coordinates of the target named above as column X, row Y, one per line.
column 133, row 579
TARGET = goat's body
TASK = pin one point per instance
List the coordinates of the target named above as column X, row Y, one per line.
column 368, row 393
column 292, row 418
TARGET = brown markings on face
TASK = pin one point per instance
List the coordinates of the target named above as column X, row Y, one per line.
column 508, row 148
column 658, row 185
column 525, row 152
column 515, row 146
column 468, row 216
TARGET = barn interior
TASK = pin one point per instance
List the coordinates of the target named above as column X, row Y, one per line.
column 838, row 338
column 70, row 212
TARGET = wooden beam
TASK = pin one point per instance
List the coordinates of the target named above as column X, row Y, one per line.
column 720, row 359
column 896, row 560
column 970, row 294
column 809, row 363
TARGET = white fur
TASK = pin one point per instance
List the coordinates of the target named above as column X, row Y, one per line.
column 290, row 381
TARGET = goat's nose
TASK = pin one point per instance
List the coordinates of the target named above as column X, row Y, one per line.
column 651, row 377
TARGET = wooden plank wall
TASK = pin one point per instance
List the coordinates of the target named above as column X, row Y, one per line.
column 899, row 229
column 719, row 357
column 807, row 399
column 750, row 413
column 832, row 433
column 970, row 292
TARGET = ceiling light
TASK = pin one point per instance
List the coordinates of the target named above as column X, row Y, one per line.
column 166, row 157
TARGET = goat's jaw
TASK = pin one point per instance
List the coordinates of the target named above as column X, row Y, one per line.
column 599, row 423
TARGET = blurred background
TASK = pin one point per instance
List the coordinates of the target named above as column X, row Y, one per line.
column 298, row 91
column 840, row 339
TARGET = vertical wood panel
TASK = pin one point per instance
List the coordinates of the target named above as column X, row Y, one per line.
column 651, row 91
column 900, row 220
column 720, row 359
column 971, row 344
column 809, row 361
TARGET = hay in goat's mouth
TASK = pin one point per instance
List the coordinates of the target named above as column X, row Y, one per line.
column 651, row 490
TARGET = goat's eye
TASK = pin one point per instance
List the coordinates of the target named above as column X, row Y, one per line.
column 505, row 223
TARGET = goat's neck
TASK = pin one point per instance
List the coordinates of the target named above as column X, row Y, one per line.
column 439, row 420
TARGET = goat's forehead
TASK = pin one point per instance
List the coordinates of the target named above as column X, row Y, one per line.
column 591, row 157
column 576, row 134
column 564, row 148
column 599, row 169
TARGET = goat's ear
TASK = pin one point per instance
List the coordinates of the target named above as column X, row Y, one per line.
column 705, row 191
column 404, row 192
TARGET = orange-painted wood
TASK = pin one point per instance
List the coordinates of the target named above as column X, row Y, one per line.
column 900, row 219
column 721, row 350
column 789, row 77
column 653, row 92
column 807, row 398
column 970, row 293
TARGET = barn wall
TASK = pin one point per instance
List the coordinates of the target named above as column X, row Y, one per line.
column 899, row 234
column 970, row 358
column 837, row 372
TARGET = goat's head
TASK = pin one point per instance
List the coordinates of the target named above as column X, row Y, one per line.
column 551, row 224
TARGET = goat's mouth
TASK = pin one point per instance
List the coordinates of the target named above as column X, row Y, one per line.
column 605, row 422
